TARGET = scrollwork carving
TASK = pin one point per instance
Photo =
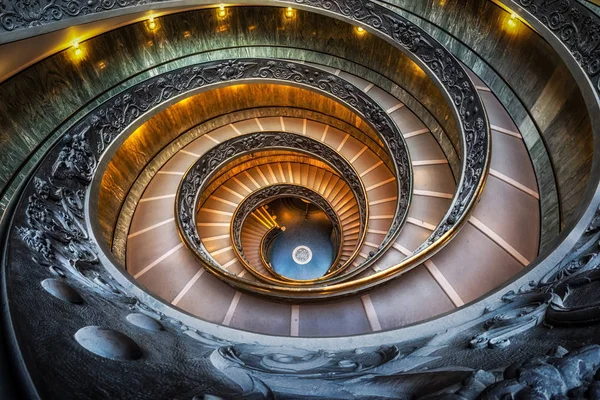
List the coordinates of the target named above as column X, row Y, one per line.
column 22, row 14
column 502, row 326
column 576, row 27
column 560, row 374
column 283, row 371
column 55, row 228
column 306, row 363
column 76, row 160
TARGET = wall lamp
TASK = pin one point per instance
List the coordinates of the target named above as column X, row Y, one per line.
column 77, row 48
column 151, row 24
column 222, row 12
column 512, row 21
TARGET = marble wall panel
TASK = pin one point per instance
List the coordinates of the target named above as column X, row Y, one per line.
column 39, row 99
column 531, row 69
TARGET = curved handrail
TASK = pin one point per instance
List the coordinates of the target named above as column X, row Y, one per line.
column 264, row 195
column 199, row 175
column 265, row 245
column 476, row 149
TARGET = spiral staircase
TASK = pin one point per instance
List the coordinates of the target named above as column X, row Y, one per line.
column 300, row 199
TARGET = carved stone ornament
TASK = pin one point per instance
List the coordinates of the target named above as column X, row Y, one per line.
column 576, row 27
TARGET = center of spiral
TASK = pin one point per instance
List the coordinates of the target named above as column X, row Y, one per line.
column 302, row 255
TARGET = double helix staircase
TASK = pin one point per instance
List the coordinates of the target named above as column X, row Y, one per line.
column 331, row 187
column 501, row 238
column 159, row 159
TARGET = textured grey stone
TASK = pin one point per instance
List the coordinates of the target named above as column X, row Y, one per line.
column 108, row 343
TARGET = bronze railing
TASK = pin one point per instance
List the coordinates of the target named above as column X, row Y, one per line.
column 265, row 248
column 209, row 164
column 476, row 149
column 262, row 196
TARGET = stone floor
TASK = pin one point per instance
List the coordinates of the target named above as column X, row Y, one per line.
column 313, row 232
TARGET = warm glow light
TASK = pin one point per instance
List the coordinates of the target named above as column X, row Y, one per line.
column 151, row 24
column 222, row 11
column 186, row 34
column 101, row 65
column 418, row 70
column 289, row 12
column 185, row 102
column 360, row 30
column 512, row 22
column 77, row 49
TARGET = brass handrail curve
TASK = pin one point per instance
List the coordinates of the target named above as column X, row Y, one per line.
column 270, row 193
column 217, row 158
column 373, row 114
column 476, row 150
column 268, row 236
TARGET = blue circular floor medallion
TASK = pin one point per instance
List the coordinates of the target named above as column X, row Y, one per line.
column 302, row 255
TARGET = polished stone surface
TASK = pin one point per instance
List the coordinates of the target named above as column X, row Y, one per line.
column 108, row 343
column 471, row 283
column 273, row 320
column 333, row 319
column 524, row 72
